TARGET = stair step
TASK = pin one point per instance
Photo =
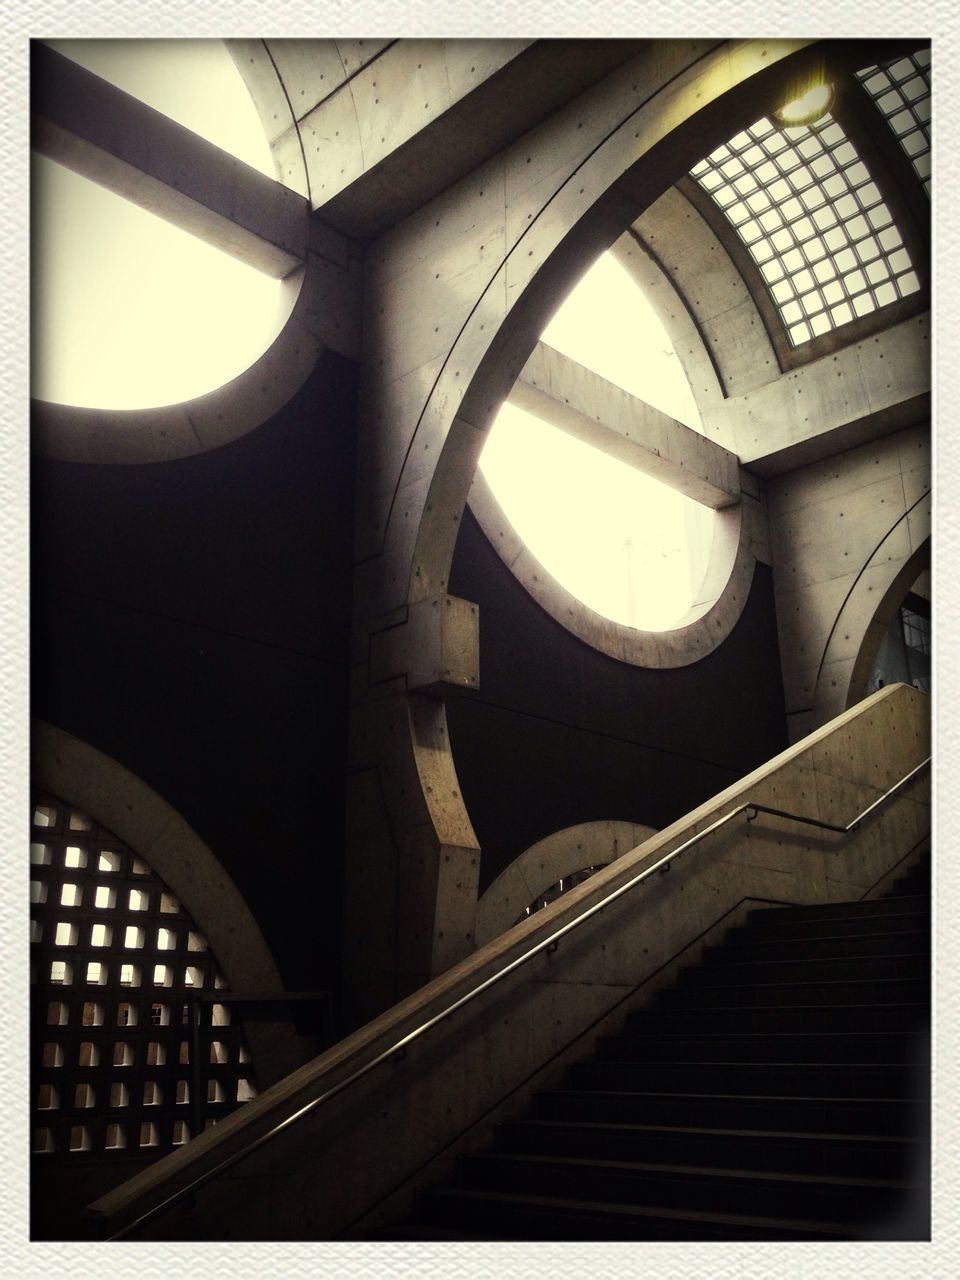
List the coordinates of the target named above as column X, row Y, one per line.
column 837, row 968
column 829, row 1197
column 850, row 991
column 898, row 905
column 847, row 1155
column 861, row 1080
column 745, row 948
column 500, row 1216
column 822, row 1048
column 765, row 927
column 895, row 1117
column 772, row 1019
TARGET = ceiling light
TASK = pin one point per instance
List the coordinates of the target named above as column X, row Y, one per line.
column 808, row 108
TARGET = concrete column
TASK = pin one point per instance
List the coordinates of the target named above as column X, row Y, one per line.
column 456, row 297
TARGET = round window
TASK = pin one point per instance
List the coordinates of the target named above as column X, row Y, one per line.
column 630, row 547
column 131, row 312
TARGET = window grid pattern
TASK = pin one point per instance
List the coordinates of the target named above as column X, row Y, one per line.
column 814, row 222
column 115, row 961
column 900, row 90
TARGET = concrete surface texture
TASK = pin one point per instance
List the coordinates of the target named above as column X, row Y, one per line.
column 316, row 1180
column 435, row 202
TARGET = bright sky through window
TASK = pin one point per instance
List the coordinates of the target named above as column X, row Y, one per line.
column 628, row 546
column 129, row 311
column 607, row 324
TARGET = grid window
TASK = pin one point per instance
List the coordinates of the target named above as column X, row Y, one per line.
column 900, row 90
column 825, row 217
column 118, row 961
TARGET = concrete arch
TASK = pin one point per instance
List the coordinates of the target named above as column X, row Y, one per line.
column 586, row 209
column 457, row 297
column 79, row 774
column 738, row 534
column 560, row 854
column 867, row 609
column 880, row 622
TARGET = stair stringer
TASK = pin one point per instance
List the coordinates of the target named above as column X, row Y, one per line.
column 322, row 1176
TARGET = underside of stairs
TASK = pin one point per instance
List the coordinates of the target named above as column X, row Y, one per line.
column 779, row 1091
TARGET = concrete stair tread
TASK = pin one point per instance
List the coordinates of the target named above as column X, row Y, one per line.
column 664, row 1063
column 814, row 1099
column 724, row 1037
column 699, row 1131
column 685, row 1172
column 870, row 983
column 639, row 1213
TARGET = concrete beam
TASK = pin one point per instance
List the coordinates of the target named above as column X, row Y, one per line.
column 423, row 115
column 844, row 399
column 580, row 402
column 436, row 649
column 115, row 140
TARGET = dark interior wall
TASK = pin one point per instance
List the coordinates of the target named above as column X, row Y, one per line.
column 190, row 619
column 559, row 733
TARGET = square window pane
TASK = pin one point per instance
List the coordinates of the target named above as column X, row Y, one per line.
column 841, row 314
column 799, row 333
column 854, row 282
column 863, row 304
column 811, row 303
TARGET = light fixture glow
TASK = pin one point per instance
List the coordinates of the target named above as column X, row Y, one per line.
column 808, row 108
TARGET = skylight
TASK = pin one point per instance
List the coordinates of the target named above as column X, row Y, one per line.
column 814, row 222
column 901, row 91
column 628, row 546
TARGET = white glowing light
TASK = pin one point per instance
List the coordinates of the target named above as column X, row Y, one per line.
column 626, row 545
column 129, row 311
column 607, row 324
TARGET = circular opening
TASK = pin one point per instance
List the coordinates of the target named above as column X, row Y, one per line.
column 129, row 311
column 627, row 545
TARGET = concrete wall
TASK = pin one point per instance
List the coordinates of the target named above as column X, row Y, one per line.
column 455, row 298
column 190, row 620
column 559, row 733
column 850, row 534
column 351, row 1165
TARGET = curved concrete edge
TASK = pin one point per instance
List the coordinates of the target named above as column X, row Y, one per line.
column 560, row 854
column 866, row 613
column 73, row 433
column 669, row 302
column 739, row 536
column 79, row 774
column 478, row 1057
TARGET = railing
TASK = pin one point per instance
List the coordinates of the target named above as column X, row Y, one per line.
column 254, row 1003
column 545, row 944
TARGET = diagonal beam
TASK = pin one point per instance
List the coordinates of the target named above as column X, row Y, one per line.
column 580, row 402
column 113, row 139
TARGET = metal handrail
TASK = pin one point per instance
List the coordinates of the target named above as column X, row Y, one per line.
column 545, row 944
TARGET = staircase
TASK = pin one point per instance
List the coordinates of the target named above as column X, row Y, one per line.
column 779, row 1091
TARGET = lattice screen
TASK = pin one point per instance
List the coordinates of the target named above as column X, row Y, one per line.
column 116, row 962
